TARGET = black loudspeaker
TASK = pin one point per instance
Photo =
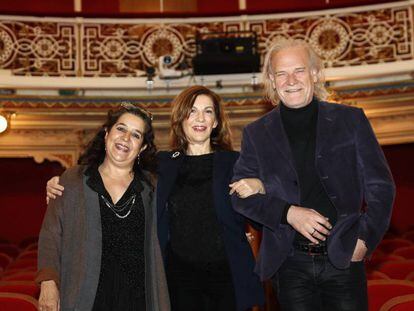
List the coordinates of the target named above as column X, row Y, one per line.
column 229, row 52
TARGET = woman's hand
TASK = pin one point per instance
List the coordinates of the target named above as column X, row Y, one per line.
column 360, row 251
column 246, row 187
column 53, row 188
column 49, row 296
column 250, row 237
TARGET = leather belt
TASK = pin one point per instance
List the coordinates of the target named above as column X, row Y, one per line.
column 312, row 249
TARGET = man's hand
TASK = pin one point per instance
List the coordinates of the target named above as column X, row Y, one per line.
column 246, row 187
column 53, row 189
column 309, row 223
column 360, row 251
column 49, row 296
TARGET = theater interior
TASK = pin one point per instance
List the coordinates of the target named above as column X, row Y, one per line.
column 64, row 64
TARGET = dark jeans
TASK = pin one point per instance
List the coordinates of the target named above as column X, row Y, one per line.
column 206, row 287
column 312, row 283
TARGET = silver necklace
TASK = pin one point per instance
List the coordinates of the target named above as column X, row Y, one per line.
column 119, row 209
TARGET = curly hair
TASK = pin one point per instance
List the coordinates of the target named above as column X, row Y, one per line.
column 314, row 61
column 94, row 153
column 220, row 138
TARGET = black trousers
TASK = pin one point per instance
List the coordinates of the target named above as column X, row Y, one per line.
column 199, row 287
column 311, row 283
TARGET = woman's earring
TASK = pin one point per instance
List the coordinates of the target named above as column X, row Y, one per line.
column 138, row 158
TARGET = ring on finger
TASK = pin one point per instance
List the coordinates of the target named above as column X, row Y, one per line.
column 313, row 232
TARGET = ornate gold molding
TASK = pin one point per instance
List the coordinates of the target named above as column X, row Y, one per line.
column 59, row 131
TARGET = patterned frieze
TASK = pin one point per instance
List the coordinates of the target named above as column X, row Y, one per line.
column 346, row 39
column 125, row 48
column 39, row 48
column 128, row 49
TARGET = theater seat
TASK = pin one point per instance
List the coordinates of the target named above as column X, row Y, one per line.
column 17, row 302
column 378, row 259
column 27, row 255
column 5, row 260
column 377, row 275
column 400, row 303
column 406, row 252
column 23, row 263
column 23, row 276
column 19, row 270
column 9, row 249
column 409, row 235
column 397, row 269
column 380, row 291
column 389, row 245
column 28, row 241
column 410, row 276
column 31, row 247
column 22, row 287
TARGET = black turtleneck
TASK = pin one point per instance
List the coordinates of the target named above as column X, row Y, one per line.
column 300, row 127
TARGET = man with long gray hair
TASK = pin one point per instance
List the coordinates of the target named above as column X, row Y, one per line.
column 326, row 192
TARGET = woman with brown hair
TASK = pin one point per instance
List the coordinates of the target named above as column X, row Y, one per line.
column 209, row 262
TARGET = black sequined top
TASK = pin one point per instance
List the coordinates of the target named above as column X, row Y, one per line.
column 195, row 234
column 122, row 278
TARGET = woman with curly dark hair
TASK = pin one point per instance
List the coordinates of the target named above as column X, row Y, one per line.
column 98, row 246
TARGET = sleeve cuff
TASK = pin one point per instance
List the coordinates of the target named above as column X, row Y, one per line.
column 283, row 220
column 47, row 274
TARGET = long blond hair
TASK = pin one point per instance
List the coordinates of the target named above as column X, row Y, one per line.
column 315, row 62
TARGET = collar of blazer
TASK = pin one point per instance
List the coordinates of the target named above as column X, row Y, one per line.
column 327, row 113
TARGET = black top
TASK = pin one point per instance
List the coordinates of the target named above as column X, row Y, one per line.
column 122, row 277
column 195, row 234
column 300, row 126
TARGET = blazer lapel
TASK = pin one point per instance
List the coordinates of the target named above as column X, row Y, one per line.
column 221, row 172
column 146, row 195
column 168, row 178
column 93, row 247
column 324, row 128
column 277, row 135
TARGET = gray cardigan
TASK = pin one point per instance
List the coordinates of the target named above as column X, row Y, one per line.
column 70, row 246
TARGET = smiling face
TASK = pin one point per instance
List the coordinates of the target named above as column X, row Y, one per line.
column 293, row 76
column 124, row 141
column 200, row 122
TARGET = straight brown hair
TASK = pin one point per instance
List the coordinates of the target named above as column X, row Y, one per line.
column 220, row 138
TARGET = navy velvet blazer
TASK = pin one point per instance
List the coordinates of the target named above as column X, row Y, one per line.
column 352, row 169
column 247, row 286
